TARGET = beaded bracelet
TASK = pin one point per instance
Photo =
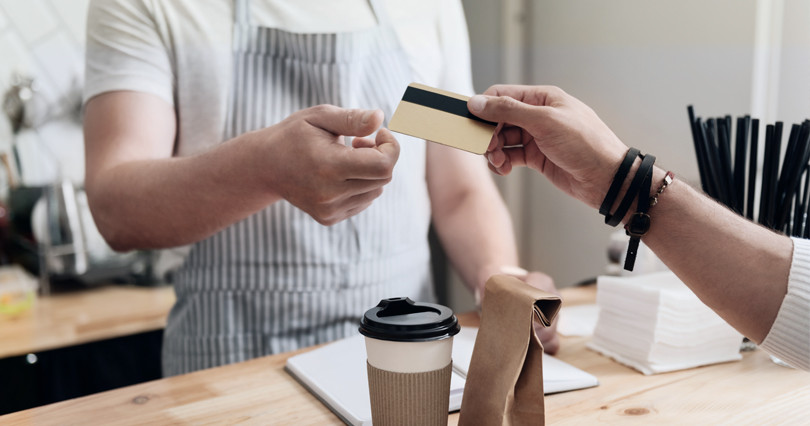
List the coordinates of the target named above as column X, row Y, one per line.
column 668, row 178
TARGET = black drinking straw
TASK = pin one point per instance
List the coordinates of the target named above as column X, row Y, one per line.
column 740, row 147
column 788, row 226
column 795, row 206
column 724, row 148
column 806, row 230
column 801, row 207
column 801, row 217
column 790, row 154
column 791, row 169
column 699, row 152
column 728, row 125
column 774, row 171
column 712, row 168
column 710, row 137
column 764, row 196
column 798, row 163
column 752, row 168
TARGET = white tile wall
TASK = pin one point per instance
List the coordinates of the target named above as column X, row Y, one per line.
column 33, row 19
column 3, row 20
column 44, row 39
column 59, row 61
column 73, row 14
column 16, row 57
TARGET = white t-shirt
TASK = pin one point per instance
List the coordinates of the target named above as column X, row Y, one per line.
column 180, row 50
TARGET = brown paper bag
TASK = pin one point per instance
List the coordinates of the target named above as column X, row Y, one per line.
column 505, row 379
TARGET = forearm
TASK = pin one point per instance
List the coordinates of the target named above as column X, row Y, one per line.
column 738, row 268
column 168, row 202
column 476, row 232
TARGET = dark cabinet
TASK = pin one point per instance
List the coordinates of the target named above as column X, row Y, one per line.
column 41, row 378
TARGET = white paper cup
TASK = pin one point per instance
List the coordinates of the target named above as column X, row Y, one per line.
column 409, row 347
column 409, row 357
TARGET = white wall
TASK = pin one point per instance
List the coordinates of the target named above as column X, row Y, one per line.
column 793, row 81
column 638, row 63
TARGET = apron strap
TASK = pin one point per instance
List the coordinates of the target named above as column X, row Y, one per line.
column 379, row 9
column 241, row 12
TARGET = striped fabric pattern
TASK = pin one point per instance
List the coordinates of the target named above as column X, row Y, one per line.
column 789, row 338
column 278, row 280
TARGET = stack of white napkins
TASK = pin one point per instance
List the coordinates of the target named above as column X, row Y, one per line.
column 655, row 324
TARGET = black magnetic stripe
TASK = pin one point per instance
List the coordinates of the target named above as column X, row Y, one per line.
column 441, row 102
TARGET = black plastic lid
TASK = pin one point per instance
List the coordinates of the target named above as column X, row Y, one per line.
column 401, row 319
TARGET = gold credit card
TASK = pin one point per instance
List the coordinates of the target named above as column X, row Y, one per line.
column 441, row 116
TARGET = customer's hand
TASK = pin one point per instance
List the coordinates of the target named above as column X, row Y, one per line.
column 309, row 165
column 562, row 138
column 548, row 335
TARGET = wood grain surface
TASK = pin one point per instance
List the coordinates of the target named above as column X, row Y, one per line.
column 83, row 316
column 751, row 391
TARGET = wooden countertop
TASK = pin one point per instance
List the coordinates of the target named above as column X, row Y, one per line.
column 83, row 316
column 751, row 391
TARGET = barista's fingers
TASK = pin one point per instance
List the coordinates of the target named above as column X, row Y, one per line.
column 341, row 121
column 497, row 159
column 374, row 161
column 363, row 143
column 496, row 142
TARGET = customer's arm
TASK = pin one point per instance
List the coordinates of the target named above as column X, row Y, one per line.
column 736, row 267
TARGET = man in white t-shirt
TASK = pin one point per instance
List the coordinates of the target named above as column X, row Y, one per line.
column 221, row 125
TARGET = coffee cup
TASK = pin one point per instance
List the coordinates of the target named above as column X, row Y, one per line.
column 408, row 350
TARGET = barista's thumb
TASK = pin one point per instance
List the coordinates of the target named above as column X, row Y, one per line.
column 346, row 122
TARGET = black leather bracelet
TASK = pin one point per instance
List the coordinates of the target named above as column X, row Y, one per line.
column 632, row 191
column 618, row 179
column 640, row 221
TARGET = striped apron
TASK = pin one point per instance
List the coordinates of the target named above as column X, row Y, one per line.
column 278, row 280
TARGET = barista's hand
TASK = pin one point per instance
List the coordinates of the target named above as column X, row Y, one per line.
column 548, row 335
column 312, row 168
column 562, row 138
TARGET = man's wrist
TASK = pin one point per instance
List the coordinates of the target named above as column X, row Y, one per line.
column 487, row 272
column 658, row 175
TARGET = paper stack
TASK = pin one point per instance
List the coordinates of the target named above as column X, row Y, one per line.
column 655, row 324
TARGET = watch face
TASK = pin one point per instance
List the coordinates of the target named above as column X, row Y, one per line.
column 639, row 224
